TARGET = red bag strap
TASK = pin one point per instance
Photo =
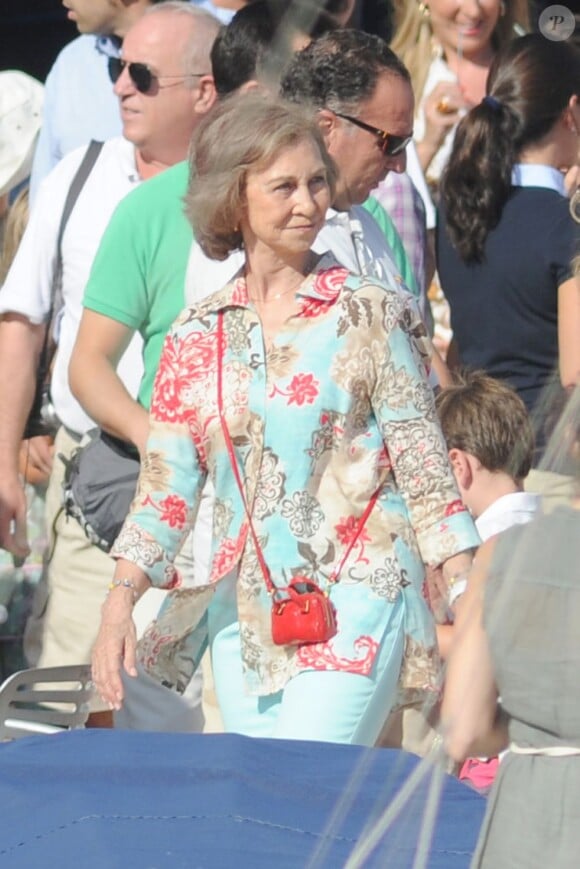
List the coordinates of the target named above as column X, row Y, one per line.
column 232, row 456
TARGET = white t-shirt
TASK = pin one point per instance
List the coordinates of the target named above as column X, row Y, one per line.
column 27, row 288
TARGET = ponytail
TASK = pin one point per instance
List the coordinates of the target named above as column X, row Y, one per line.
column 529, row 86
column 476, row 183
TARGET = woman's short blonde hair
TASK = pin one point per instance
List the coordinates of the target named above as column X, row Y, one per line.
column 242, row 133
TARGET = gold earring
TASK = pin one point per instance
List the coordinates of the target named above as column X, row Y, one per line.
column 424, row 11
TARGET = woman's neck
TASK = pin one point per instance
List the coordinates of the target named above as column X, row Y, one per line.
column 471, row 72
column 229, row 4
column 456, row 58
column 270, row 276
column 542, row 155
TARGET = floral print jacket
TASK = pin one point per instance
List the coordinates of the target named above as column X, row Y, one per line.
column 337, row 408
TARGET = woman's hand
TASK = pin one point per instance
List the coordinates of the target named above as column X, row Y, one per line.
column 115, row 646
column 443, row 108
column 457, row 564
column 451, row 579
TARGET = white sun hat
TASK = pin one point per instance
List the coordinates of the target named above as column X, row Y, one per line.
column 21, row 98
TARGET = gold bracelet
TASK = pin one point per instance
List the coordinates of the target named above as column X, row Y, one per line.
column 456, row 586
column 124, row 583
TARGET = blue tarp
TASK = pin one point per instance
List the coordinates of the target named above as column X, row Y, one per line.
column 107, row 799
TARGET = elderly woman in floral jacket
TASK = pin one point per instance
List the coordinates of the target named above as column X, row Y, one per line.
column 300, row 391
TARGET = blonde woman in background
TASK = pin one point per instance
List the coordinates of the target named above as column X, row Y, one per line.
column 448, row 47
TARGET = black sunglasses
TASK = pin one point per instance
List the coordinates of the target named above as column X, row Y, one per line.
column 141, row 75
column 389, row 144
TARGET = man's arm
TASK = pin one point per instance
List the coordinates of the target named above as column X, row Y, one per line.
column 93, row 378
column 20, row 346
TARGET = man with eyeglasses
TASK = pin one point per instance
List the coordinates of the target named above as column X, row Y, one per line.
column 167, row 50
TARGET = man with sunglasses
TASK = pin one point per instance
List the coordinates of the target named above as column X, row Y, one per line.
column 169, row 47
column 70, row 117
column 364, row 101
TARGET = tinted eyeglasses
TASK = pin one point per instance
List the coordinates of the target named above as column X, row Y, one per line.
column 141, row 75
column 389, row 144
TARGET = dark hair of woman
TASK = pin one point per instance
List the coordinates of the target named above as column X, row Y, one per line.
column 528, row 88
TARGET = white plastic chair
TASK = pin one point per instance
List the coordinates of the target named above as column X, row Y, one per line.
column 45, row 700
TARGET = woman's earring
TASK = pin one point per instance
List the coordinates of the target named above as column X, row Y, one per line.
column 424, row 11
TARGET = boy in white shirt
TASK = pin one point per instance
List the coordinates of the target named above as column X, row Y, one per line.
column 491, row 445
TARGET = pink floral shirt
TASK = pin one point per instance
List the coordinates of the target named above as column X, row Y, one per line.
column 338, row 407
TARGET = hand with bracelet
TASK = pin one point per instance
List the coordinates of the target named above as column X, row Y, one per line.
column 454, row 574
column 116, row 642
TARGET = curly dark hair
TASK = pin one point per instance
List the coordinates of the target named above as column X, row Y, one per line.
column 340, row 70
column 528, row 88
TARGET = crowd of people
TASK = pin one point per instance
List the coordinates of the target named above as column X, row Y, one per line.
column 246, row 476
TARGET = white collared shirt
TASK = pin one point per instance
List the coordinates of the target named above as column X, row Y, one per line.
column 538, row 175
column 517, row 508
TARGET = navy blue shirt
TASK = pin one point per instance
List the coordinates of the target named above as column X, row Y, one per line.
column 504, row 310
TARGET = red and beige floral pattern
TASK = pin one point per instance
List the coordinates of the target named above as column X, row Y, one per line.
column 337, row 408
